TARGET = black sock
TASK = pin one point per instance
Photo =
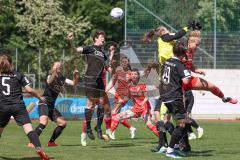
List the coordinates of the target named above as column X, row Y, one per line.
column 187, row 147
column 56, row 133
column 88, row 117
column 100, row 115
column 162, row 141
column 39, row 129
column 169, row 127
column 34, row 139
column 176, row 136
column 189, row 128
column 194, row 123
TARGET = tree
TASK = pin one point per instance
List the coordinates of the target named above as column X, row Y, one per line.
column 45, row 27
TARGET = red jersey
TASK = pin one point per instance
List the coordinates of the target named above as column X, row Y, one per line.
column 122, row 80
column 189, row 61
column 137, row 95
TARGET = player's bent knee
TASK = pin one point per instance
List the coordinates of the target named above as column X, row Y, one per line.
column 160, row 126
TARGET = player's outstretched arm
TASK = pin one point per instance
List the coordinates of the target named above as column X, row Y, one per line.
column 31, row 91
column 76, row 49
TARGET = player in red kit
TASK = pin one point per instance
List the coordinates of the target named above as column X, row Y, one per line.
column 141, row 107
column 121, row 78
column 197, row 83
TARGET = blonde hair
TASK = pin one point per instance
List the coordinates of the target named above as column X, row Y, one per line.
column 149, row 36
column 195, row 37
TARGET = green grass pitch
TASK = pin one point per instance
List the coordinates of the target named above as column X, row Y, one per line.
column 221, row 141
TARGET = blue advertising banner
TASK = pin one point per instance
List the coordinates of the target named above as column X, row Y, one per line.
column 71, row 108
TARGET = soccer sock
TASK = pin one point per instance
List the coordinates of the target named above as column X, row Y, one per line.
column 153, row 128
column 100, row 115
column 56, row 133
column 176, row 136
column 107, row 121
column 194, row 123
column 34, row 139
column 114, row 123
column 88, row 117
column 126, row 124
column 162, row 141
column 216, row 91
column 39, row 128
column 185, row 138
column 84, row 126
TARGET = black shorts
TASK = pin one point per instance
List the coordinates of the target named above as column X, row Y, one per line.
column 177, row 109
column 18, row 111
column 52, row 113
column 94, row 87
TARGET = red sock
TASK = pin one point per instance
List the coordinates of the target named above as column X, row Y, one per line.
column 84, row 126
column 153, row 128
column 114, row 123
column 216, row 91
column 126, row 124
column 107, row 121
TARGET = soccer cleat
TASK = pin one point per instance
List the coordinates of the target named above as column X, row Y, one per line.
column 30, row 145
column 84, row 139
column 112, row 135
column 173, row 155
column 99, row 132
column 90, row 134
column 192, row 136
column 200, row 132
column 180, row 153
column 52, row 144
column 162, row 150
column 133, row 132
column 230, row 100
column 42, row 154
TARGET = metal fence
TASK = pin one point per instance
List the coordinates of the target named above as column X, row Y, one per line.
column 220, row 46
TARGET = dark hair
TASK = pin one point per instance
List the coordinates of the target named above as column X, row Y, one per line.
column 179, row 49
column 129, row 66
column 97, row 34
column 135, row 70
column 5, row 64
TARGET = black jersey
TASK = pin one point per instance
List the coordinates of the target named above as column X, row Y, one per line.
column 172, row 71
column 53, row 89
column 96, row 59
column 11, row 88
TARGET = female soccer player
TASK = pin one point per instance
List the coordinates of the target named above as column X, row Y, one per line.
column 141, row 107
column 165, row 40
column 174, row 74
column 197, row 83
column 94, row 86
column 12, row 103
column 101, row 109
column 54, row 85
column 121, row 77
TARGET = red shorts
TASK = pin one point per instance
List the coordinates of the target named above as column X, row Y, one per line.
column 121, row 98
column 141, row 111
column 191, row 84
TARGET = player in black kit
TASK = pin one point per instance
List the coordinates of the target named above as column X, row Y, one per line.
column 96, row 60
column 174, row 74
column 54, row 85
column 12, row 104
